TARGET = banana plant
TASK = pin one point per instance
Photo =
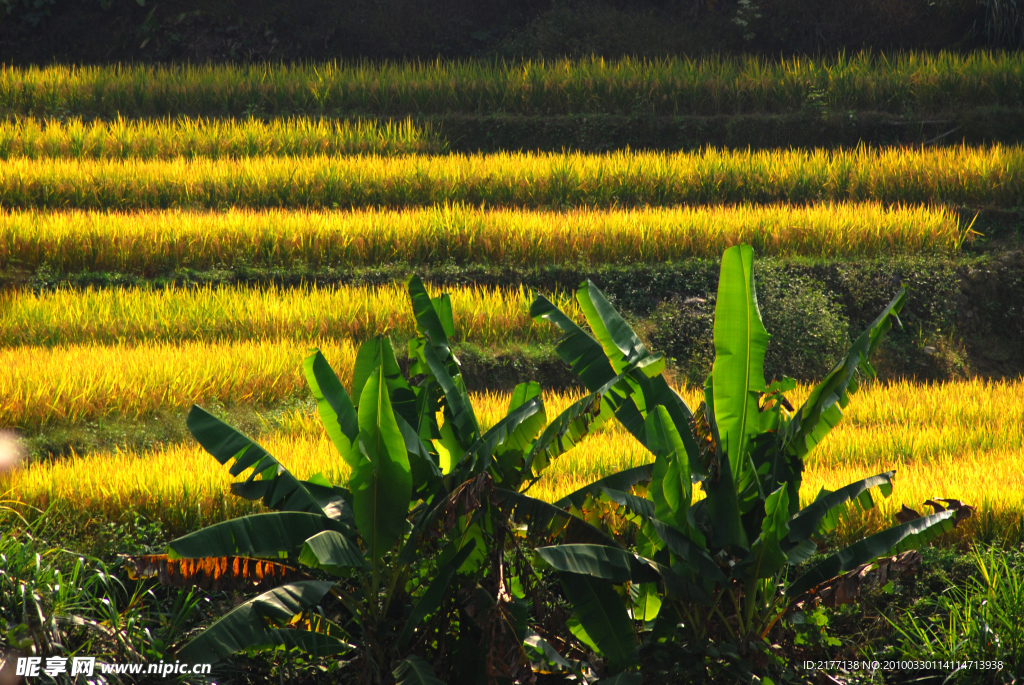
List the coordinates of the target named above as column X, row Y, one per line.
column 717, row 567
column 369, row 570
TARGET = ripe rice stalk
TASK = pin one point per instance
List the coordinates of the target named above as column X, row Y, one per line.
column 988, row 476
column 914, row 82
column 76, row 383
column 992, row 176
column 132, row 315
column 153, row 242
column 188, row 137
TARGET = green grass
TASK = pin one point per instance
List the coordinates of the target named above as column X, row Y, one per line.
column 900, row 83
column 988, row 176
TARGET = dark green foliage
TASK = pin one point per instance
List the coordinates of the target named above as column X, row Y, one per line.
column 807, row 328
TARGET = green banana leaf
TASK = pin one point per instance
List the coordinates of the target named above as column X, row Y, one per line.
column 414, row 670
column 245, row 627
column 548, row 520
column 740, row 345
column 622, row 480
column 671, row 487
column 382, row 484
column 225, row 443
column 766, row 554
column 613, row 564
column 433, row 317
column 823, row 408
column 722, row 501
column 335, row 501
column 638, row 506
column 892, row 541
column 378, row 352
column 565, row 432
column 332, row 552
column 602, row 614
column 423, row 462
column 267, row 534
column 431, row 599
column 545, row 658
column 334, row 406
column 523, row 435
column 526, row 419
column 619, row 342
column 690, row 553
column 807, row 521
column 576, row 347
column 460, row 409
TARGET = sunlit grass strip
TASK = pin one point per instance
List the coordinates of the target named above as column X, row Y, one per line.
column 152, row 242
column 120, row 315
column 917, row 82
column 979, row 176
column 214, row 138
column 41, row 385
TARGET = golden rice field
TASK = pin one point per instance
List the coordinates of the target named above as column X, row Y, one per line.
column 900, row 82
column 142, row 315
column 152, row 242
column 962, row 440
column 991, row 176
column 214, row 138
column 43, row 385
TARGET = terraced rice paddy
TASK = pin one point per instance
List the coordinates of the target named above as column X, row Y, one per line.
column 132, row 171
column 213, row 138
column 151, row 242
column 991, row 176
column 963, row 440
column 914, row 82
column 124, row 316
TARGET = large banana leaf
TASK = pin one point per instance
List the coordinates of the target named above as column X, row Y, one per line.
column 459, row 407
column 377, row 353
column 619, row 342
column 808, row 520
column 576, row 347
column 332, row 552
column 766, row 554
column 382, row 484
column 671, row 486
column 525, row 419
column 335, row 407
column 613, row 564
column 257, row 535
column 562, row 434
column 414, row 670
column 547, row 520
column 335, row 501
column 690, row 553
column 622, row 480
column 892, row 541
column 433, row 317
column 603, row 616
column 823, row 408
column 245, row 626
column 722, row 501
column 740, row 344
column 285, row 493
